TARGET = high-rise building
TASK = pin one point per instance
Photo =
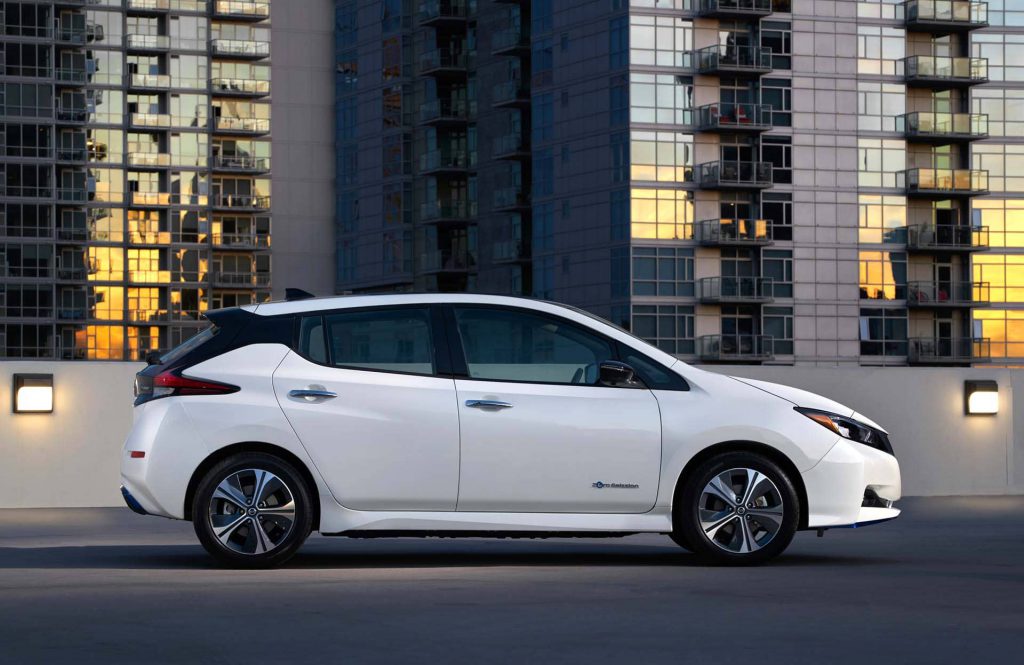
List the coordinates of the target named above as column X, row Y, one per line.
column 135, row 188
column 767, row 181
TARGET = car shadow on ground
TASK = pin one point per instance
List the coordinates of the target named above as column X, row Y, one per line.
column 154, row 557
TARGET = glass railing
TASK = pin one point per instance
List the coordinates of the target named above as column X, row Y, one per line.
column 735, row 347
column 151, row 198
column 241, row 201
column 512, row 196
column 432, row 10
column 941, row 125
column 509, row 39
column 509, row 250
column 733, row 232
column 965, row 12
column 247, row 125
column 241, row 278
column 240, row 86
column 159, row 81
column 443, row 159
column 733, row 58
column 926, row 350
column 443, row 108
column 241, row 163
column 149, row 159
column 258, row 240
column 438, row 260
column 509, row 91
column 438, row 210
column 245, row 48
column 508, row 144
column 942, row 294
column 944, row 68
column 734, row 116
column 947, row 237
column 69, row 75
column 149, row 5
column 735, row 174
column 71, row 154
column 148, row 42
column 716, row 7
column 72, row 115
column 443, row 59
column 239, row 9
column 67, row 34
column 69, row 194
column 735, row 289
column 944, row 181
column 150, row 119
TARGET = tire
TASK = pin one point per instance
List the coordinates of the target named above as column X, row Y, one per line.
column 708, row 521
column 241, row 530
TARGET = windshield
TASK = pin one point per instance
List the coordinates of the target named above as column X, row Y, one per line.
column 188, row 345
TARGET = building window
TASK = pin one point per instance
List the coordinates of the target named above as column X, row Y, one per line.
column 883, row 332
column 348, row 211
column 777, row 208
column 668, row 327
column 543, row 226
column 1004, row 163
column 1004, row 219
column 618, row 43
column 661, row 214
column 620, row 156
column 619, row 211
column 880, row 161
column 778, row 264
column 662, row 271
column 543, row 173
column 882, row 219
column 664, row 99
column 1004, row 275
column 879, row 105
column 880, row 50
column 543, row 117
column 661, row 156
column 1004, row 328
column 664, row 41
column 777, row 323
column 620, row 272
column 778, row 36
column 883, row 275
column 779, row 153
column 618, row 101
column 778, row 93
column 543, row 61
column 395, row 157
column 1005, row 109
column 1003, row 52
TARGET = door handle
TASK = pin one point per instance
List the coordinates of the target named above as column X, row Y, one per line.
column 327, row 394
column 487, row 404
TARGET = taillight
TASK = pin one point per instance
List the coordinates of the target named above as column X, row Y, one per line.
column 169, row 384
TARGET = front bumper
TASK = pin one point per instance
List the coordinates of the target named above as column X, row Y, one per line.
column 132, row 503
column 837, row 485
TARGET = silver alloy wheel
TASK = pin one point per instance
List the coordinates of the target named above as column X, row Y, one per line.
column 252, row 511
column 740, row 510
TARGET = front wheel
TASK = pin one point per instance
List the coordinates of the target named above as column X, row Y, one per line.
column 736, row 508
column 252, row 510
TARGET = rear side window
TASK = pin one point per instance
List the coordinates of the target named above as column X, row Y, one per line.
column 391, row 340
column 312, row 342
column 189, row 345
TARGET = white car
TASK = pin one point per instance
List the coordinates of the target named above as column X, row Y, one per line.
column 473, row 415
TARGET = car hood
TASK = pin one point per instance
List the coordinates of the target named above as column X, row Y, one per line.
column 807, row 400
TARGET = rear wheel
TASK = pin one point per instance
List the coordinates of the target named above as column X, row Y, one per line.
column 252, row 510
column 737, row 508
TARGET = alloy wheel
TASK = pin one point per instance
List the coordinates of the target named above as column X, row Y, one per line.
column 252, row 511
column 740, row 510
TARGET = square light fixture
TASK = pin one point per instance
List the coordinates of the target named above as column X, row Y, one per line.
column 981, row 398
column 33, row 393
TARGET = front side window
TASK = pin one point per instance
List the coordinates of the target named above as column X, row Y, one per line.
column 389, row 340
column 507, row 345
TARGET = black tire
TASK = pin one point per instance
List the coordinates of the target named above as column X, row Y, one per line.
column 273, row 542
column 783, row 497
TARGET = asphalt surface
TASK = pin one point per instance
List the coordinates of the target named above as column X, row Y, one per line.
column 943, row 584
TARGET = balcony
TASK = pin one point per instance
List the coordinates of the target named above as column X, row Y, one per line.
column 437, row 162
column 510, row 41
column 735, row 290
column 254, row 126
column 72, row 194
column 241, row 279
column 946, row 238
column 510, row 93
column 150, row 120
column 943, row 128
column 71, row 116
column 734, row 60
column 733, row 233
column 510, row 146
column 246, row 241
column 446, row 260
column 149, row 81
column 71, row 155
column 510, row 198
column 738, row 9
column 941, row 72
column 729, row 117
column 442, row 12
column 72, row 35
column 942, row 17
column 441, row 212
column 150, row 199
column 149, row 160
column 950, row 351
column 947, row 295
column 444, row 111
column 241, row 48
column 443, row 62
column 232, row 87
column 148, row 6
column 241, row 11
column 734, row 175
column 241, row 164
column 510, row 251
column 241, row 202
column 944, row 183
column 147, row 42
column 70, row 75
column 735, row 348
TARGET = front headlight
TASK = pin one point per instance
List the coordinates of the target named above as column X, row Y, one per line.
column 848, row 428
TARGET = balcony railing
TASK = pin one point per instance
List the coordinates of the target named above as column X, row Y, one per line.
column 729, row 232
column 72, row 194
column 441, row 61
column 447, row 211
column 67, row 34
column 70, row 75
column 510, row 251
column 734, row 8
column 734, row 117
column 444, row 160
column 432, row 12
column 241, row 201
column 948, row 351
column 734, row 175
column 944, row 127
column 944, row 182
column 735, row 289
column 71, row 154
column 246, row 163
column 151, row 81
column 147, row 42
column 733, row 59
column 258, row 279
column 150, row 119
column 72, row 115
column 151, row 199
column 509, row 41
column 240, row 87
column 947, row 294
column 947, row 237
column 241, row 48
column 934, row 71
column 446, row 260
column 736, row 348
column 943, row 16
column 510, row 93
column 149, row 159
column 237, row 9
column 243, row 125
column 509, row 198
column 149, row 5
column 242, row 240
column 444, row 110
column 513, row 144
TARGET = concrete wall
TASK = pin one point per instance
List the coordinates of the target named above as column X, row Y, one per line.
column 72, row 456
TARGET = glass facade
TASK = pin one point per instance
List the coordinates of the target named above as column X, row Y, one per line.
column 136, row 172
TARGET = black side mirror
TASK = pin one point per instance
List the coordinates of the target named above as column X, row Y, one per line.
column 153, row 358
column 618, row 375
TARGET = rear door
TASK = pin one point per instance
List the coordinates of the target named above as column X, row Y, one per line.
column 364, row 392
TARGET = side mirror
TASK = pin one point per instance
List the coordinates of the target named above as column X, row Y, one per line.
column 618, row 375
column 153, row 358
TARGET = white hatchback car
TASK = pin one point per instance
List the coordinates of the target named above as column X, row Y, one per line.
column 472, row 415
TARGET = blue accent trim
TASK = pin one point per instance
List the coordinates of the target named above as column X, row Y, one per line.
column 132, row 503
column 857, row 525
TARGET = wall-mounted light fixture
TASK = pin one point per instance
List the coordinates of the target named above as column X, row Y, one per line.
column 981, row 398
column 33, row 393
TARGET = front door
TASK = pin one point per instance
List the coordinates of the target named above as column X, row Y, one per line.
column 363, row 396
column 539, row 432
